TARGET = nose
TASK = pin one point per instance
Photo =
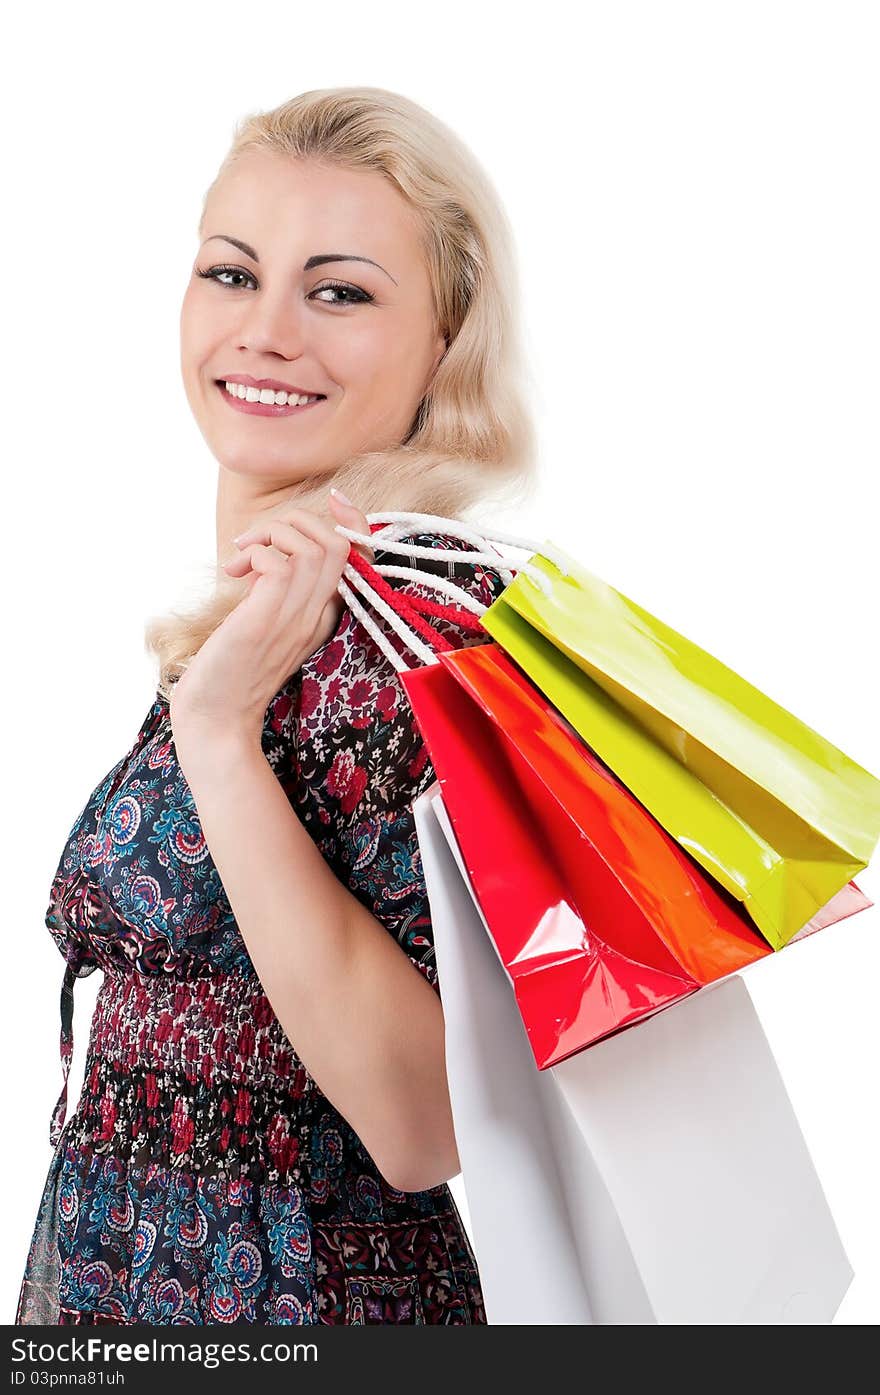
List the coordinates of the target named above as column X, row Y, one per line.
column 273, row 324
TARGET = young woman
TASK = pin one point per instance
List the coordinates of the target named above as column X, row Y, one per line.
column 264, row 1131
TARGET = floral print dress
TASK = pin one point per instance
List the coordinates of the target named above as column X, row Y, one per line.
column 204, row 1177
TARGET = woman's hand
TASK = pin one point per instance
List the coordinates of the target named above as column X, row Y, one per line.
column 295, row 560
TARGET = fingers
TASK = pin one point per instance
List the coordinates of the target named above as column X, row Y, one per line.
column 297, row 533
column 334, row 550
column 313, row 526
column 296, row 559
column 257, row 557
column 307, row 561
column 352, row 517
column 258, row 560
column 319, row 551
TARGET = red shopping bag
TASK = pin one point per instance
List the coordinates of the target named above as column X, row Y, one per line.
column 598, row 916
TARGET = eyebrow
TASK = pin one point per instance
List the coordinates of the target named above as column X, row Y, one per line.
column 318, row 260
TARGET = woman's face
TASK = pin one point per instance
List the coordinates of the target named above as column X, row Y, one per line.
column 367, row 345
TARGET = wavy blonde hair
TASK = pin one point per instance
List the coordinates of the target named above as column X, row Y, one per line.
column 472, row 440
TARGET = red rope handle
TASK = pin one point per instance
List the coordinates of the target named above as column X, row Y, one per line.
column 399, row 603
column 466, row 618
column 406, row 604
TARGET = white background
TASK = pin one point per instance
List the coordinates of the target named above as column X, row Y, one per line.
column 694, row 193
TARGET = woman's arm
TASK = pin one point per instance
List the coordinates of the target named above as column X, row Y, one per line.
column 366, row 1024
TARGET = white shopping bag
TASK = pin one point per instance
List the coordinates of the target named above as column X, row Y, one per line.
column 660, row 1176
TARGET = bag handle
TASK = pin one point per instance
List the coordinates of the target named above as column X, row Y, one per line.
column 402, row 523
column 405, row 613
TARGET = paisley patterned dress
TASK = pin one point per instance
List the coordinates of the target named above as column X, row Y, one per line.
column 204, row 1177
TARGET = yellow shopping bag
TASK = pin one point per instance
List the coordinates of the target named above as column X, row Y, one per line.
column 775, row 813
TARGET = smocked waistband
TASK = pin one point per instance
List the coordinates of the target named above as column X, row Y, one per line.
column 214, row 1029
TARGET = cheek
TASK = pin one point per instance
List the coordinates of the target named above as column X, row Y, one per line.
column 188, row 334
column 378, row 368
column 195, row 329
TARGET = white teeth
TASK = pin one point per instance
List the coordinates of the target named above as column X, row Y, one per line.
column 268, row 396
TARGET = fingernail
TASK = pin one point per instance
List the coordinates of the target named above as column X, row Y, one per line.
column 343, row 498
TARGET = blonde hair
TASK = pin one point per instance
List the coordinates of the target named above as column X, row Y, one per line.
column 472, row 440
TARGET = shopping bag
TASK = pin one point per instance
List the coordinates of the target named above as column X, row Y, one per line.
column 598, row 916
column 780, row 817
column 660, row 1176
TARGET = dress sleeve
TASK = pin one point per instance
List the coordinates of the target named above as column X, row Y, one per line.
column 379, row 766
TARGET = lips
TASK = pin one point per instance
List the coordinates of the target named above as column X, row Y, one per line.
column 266, row 409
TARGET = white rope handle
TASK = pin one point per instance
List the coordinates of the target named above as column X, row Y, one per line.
column 440, row 583
column 385, row 539
column 391, row 533
column 372, row 628
column 417, row 645
column 436, row 523
column 453, row 554
column 397, row 622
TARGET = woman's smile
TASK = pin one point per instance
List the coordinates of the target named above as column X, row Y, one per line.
column 264, row 402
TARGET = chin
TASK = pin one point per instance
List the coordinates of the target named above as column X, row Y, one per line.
column 275, row 473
